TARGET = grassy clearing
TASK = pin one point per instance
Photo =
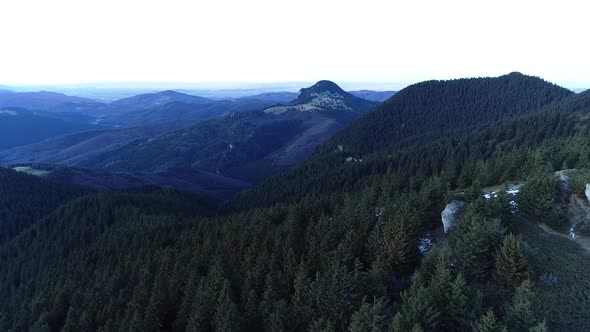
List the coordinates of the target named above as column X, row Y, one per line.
column 563, row 280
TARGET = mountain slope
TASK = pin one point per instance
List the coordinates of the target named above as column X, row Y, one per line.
column 70, row 149
column 213, row 187
column 25, row 198
column 249, row 145
column 186, row 111
column 440, row 108
column 332, row 168
column 149, row 100
column 43, row 100
column 21, row 127
column 325, row 96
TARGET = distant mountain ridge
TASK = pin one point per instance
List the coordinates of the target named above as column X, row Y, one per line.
column 43, row 100
column 378, row 96
column 156, row 99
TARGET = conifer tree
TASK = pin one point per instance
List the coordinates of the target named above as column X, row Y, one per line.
column 473, row 242
column 487, row 323
column 511, row 267
column 226, row 312
column 369, row 318
column 519, row 313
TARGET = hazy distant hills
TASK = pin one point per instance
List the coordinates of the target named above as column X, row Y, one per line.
column 70, row 149
column 235, row 141
column 378, row 96
column 43, row 100
column 183, row 111
column 248, row 145
column 156, row 99
column 278, row 97
column 20, row 126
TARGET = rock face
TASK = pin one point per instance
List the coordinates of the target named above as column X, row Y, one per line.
column 588, row 191
column 449, row 214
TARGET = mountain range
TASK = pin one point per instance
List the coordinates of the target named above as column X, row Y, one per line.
column 346, row 222
column 248, row 139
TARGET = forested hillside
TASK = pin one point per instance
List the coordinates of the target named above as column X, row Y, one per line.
column 26, row 198
column 557, row 127
column 350, row 241
column 434, row 109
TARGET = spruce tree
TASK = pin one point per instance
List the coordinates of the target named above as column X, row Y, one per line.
column 225, row 318
column 519, row 313
column 473, row 242
column 511, row 267
column 369, row 318
column 487, row 323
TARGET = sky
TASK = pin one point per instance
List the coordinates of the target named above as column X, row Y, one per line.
column 82, row 41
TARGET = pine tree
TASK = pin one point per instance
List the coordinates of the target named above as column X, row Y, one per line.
column 541, row 327
column 225, row 318
column 519, row 313
column 419, row 307
column 511, row 267
column 370, row 317
column 487, row 323
column 399, row 249
column 473, row 242
column 538, row 196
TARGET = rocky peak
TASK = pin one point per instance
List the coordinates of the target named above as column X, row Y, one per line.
column 321, row 89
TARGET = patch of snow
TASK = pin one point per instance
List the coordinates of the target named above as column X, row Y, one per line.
column 340, row 148
column 573, row 233
column 449, row 214
column 349, row 159
column 493, row 194
column 512, row 191
column 231, row 146
column 7, row 112
column 425, row 243
column 514, row 207
column 588, row 192
column 31, row 171
column 379, row 211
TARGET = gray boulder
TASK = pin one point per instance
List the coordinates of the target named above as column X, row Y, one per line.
column 449, row 214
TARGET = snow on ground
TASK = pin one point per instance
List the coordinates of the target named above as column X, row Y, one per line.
column 511, row 191
column 349, row 159
column 31, row 171
column 425, row 243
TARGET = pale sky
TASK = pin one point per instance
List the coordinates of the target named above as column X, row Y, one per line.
column 76, row 41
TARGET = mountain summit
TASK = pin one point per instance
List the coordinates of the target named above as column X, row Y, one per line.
column 321, row 89
column 325, row 96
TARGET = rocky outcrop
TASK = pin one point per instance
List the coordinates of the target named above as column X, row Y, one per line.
column 588, row 192
column 449, row 214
